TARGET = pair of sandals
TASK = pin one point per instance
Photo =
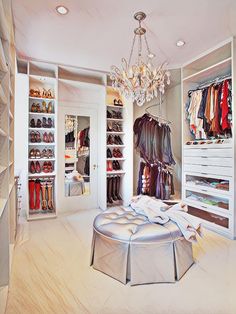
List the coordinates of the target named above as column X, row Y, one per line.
column 45, row 108
column 114, row 127
column 114, row 140
column 44, row 94
column 117, row 102
column 44, row 123
column 114, row 115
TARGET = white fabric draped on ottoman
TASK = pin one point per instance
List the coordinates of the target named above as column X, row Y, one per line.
column 128, row 247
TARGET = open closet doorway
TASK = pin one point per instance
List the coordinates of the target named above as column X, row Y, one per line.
column 77, row 155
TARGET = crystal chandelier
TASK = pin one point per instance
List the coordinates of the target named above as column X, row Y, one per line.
column 141, row 81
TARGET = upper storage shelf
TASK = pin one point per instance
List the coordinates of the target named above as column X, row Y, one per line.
column 216, row 62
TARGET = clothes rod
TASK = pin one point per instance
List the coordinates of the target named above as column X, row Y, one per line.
column 157, row 117
column 216, row 80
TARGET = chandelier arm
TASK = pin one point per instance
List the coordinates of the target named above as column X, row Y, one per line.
column 132, row 50
column 148, row 48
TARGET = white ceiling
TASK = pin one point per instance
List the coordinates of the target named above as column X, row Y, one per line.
column 96, row 34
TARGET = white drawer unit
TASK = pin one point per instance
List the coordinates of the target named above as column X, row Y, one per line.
column 209, row 152
column 208, row 169
column 212, row 161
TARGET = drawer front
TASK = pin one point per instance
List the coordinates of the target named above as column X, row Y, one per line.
column 212, row 183
column 208, row 152
column 205, row 169
column 210, row 161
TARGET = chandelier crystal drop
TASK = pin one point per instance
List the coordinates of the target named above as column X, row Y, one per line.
column 141, row 81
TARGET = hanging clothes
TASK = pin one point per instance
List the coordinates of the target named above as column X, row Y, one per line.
column 153, row 140
column 209, row 111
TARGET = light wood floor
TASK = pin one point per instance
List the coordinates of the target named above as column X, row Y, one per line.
column 51, row 274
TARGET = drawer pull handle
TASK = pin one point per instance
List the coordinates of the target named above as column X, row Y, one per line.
column 204, row 207
column 204, row 190
column 204, row 157
column 204, row 173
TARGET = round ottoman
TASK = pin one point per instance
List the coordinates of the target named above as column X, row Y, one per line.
column 128, row 247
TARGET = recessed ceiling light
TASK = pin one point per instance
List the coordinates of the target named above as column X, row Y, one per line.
column 61, row 9
column 180, row 43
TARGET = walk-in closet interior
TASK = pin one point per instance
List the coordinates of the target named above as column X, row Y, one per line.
column 117, row 157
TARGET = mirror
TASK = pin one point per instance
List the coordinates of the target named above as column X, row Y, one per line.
column 77, row 153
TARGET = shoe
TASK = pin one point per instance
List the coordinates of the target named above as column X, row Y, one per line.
column 32, row 123
column 35, row 92
column 109, row 115
column 33, row 108
column 44, row 153
column 50, row 123
column 39, row 123
column 118, row 140
column 32, row 137
column 37, row 167
column 37, row 154
column 117, row 165
column 109, row 154
column 109, row 166
column 114, row 166
column 117, row 191
column 50, row 107
column 31, row 194
column 113, row 194
column 44, row 107
column 110, row 140
column 50, row 195
column 50, row 153
column 43, row 186
column 109, row 188
column 117, row 153
column 50, row 166
column 45, row 137
column 37, row 137
column 45, row 167
column 44, row 124
column 37, row 194
column 51, row 137
column 32, row 154
column 49, row 94
column 109, row 126
column 38, row 109
column 32, row 167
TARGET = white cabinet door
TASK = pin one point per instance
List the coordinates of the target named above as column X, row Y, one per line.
column 77, row 158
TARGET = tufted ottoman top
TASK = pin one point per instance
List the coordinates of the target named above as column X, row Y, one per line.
column 124, row 224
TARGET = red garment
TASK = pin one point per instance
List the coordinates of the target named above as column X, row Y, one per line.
column 224, row 105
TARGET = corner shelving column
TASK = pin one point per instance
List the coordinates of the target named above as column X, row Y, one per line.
column 7, row 206
column 42, row 144
column 119, row 148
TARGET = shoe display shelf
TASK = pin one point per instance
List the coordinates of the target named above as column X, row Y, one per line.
column 41, row 144
column 115, row 159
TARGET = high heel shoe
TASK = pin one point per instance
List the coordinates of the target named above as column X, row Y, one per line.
column 37, row 137
column 39, row 123
column 32, row 154
column 51, row 137
column 33, row 108
column 109, row 115
column 50, row 107
column 38, row 109
column 50, row 123
column 50, row 166
column 109, row 166
column 110, row 140
column 45, row 137
column 32, row 167
column 118, row 140
column 44, row 153
column 50, row 153
column 37, row 167
column 37, row 154
column 109, row 154
column 32, row 123
column 44, row 122
column 114, row 166
column 109, row 126
column 32, row 137
column 44, row 107
column 50, row 94
column 45, row 167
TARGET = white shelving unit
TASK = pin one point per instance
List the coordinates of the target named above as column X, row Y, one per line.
column 7, row 182
column 213, row 162
column 42, row 78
